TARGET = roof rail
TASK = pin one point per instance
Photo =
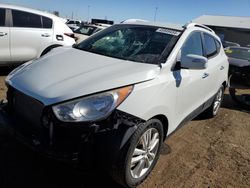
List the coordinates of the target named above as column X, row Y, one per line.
column 191, row 24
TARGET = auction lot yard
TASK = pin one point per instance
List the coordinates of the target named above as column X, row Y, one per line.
column 203, row 153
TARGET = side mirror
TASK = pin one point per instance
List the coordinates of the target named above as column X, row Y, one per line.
column 192, row 61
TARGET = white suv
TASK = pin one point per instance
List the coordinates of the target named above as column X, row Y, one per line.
column 26, row 34
column 115, row 97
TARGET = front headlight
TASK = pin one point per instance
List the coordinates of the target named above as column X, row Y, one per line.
column 92, row 108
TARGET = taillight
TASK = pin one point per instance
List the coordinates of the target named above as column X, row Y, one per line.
column 72, row 35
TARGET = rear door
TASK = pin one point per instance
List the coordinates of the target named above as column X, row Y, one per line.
column 30, row 35
column 214, row 65
column 4, row 37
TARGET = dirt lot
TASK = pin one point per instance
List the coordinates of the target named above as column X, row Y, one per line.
column 204, row 153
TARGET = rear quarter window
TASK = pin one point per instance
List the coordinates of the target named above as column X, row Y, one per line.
column 47, row 22
column 26, row 19
column 2, row 17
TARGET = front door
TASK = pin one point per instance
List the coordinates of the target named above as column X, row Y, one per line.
column 192, row 83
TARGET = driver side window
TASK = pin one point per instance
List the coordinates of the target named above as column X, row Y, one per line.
column 193, row 45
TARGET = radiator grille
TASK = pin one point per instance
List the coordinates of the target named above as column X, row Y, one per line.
column 24, row 107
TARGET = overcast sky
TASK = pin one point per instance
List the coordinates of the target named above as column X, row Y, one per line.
column 180, row 11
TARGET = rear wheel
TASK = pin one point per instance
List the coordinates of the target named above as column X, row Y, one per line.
column 141, row 154
column 213, row 110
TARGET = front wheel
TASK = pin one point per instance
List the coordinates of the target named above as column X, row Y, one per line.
column 141, row 154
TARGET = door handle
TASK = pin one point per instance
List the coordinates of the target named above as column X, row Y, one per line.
column 222, row 68
column 2, row 34
column 205, row 75
column 45, row 35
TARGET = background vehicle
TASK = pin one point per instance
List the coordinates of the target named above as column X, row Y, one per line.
column 73, row 23
column 27, row 34
column 122, row 92
column 239, row 74
column 73, row 28
column 85, row 31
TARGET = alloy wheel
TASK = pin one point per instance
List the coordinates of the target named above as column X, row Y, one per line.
column 218, row 101
column 144, row 153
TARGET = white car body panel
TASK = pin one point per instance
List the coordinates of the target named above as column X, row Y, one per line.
column 5, row 45
column 25, row 50
column 56, row 85
column 25, row 44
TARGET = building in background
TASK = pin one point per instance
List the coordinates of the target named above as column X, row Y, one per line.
column 233, row 31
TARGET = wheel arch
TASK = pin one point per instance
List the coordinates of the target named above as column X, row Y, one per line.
column 225, row 84
column 46, row 50
column 165, row 123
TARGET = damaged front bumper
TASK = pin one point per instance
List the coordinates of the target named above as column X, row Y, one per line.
column 83, row 143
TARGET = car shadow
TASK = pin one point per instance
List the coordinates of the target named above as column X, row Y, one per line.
column 21, row 167
column 165, row 149
column 4, row 71
column 228, row 103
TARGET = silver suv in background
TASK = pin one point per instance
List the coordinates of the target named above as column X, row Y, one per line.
column 26, row 34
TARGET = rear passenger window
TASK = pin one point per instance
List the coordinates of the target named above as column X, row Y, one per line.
column 2, row 17
column 47, row 22
column 193, row 45
column 210, row 46
column 25, row 19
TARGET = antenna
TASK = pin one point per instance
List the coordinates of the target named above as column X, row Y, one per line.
column 156, row 9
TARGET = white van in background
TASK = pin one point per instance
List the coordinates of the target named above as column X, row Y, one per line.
column 26, row 34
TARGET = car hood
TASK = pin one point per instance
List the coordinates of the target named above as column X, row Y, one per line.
column 68, row 73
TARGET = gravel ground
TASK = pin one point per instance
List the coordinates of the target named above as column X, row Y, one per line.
column 204, row 153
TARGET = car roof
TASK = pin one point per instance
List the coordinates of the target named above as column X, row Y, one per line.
column 34, row 11
column 157, row 24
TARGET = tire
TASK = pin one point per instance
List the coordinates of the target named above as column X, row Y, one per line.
column 213, row 110
column 127, row 173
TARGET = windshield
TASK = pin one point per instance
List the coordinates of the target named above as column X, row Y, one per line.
column 239, row 53
column 135, row 43
column 86, row 30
